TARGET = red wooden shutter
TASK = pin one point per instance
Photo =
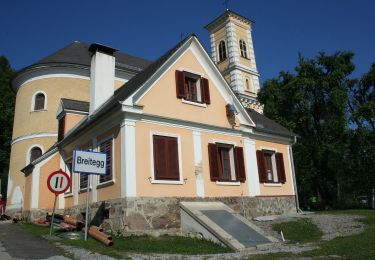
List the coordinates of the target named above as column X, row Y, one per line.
column 180, row 84
column 280, row 167
column 172, row 159
column 239, row 164
column 166, row 165
column 261, row 168
column 205, row 91
column 213, row 157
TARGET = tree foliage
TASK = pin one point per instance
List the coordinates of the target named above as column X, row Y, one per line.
column 333, row 114
column 7, row 99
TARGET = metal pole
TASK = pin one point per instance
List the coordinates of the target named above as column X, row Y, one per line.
column 87, row 206
column 53, row 216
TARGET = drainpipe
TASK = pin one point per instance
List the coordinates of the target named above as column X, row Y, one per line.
column 294, row 174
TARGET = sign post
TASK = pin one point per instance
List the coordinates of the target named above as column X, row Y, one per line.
column 87, row 162
column 58, row 182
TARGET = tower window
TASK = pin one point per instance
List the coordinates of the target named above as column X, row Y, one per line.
column 222, row 51
column 249, row 85
column 35, row 153
column 39, row 102
column 243, row 49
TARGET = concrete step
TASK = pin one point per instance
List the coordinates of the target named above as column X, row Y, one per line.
column 217, row 222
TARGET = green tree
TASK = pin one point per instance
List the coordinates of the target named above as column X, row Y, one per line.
column 312, row 102
column 7, row 99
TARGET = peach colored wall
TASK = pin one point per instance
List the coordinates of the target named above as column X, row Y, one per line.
column 18, row 160
column 71, row 120
column 188, row 189
column 287, row 187
column 28, row 182
column 161, row 98
column 46, row 197
column 112, row 191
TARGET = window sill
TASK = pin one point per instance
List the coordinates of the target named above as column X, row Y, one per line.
column 105, row 184
column 181, row 182
column 228, row 183
column 68, row 195
column 84, row 190
column 245, row 58
column 193, row 103
column 272, row 184
column 40, row 110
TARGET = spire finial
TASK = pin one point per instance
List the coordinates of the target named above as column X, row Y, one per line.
column 226, row 3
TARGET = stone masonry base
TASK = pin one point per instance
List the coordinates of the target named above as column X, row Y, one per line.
column 157, row 216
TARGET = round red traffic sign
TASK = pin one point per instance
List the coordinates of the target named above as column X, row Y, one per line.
column 58, row 182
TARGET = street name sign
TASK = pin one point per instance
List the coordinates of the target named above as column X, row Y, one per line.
column 89, row 162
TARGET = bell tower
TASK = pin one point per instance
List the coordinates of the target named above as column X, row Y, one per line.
column 232, row 51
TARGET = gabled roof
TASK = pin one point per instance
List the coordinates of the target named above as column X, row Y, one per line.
column 264, row 124
column 126, row 90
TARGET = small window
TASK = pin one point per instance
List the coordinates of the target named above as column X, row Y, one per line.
column 222, row 51
column 192, row 87
column 270, row 167
column 39, row 102
column 226, row 163
column 35, row 153
column 106, row 147
column 243, row 49
column 166, row 162
column 83, row 179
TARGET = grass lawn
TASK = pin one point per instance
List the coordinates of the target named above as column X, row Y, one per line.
column 300, row 231
column 360, row 246
column 140, row 244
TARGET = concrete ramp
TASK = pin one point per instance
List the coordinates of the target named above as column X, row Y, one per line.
column 219, row 223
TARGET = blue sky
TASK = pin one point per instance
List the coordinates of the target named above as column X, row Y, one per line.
column 32, row 30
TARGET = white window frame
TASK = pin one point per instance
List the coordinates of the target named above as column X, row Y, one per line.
column 33, row 101
column 199, row 91
column 70, row 173
column 152, row 175
column 28, row 155
column 112, row 181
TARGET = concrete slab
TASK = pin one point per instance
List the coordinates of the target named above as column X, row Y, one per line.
column 217, row 222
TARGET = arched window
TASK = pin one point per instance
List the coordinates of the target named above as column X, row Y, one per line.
column 35, row 153
column 249, row 84
column 243, row 49
column 39, row 101
column 222, row 51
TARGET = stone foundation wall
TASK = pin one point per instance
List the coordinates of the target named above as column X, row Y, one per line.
column 157, row 216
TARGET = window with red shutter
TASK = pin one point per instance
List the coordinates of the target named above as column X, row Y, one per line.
column 270, row 167
column 39, row 101
column 192, row 87
column 226, row 163
column 166, row 162
column 106, row 147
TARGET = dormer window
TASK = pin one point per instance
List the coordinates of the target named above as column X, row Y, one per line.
column 243, row 49
column 192, row 87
